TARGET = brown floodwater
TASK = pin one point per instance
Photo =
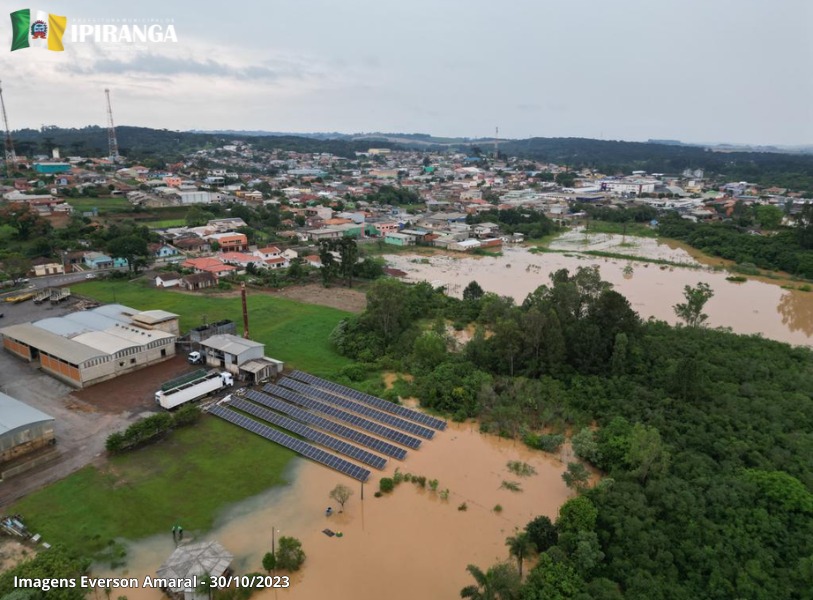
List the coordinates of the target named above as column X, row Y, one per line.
column 752, row 307
column 408, row 544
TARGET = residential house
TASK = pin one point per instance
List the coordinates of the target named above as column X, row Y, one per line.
column 97, row 260
column 198, row 281
column 386, row 227
column 230, row 241
column 208, row 265
column 313, row 260
column 240, row 259
column 168, row 279
column 162, row 250
column 279, row 262
column 46, row 266
column 399, row 239
column 268, row 252
column 192, row 244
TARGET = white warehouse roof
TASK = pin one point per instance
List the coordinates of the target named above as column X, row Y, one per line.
column 15, row 414
column 230, row 343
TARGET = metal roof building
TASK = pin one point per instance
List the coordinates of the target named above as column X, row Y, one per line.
column 87, row 347
column 23, row 428
column 244, row 358
column 196, row 560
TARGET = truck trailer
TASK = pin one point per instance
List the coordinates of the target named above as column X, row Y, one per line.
column 193, row 390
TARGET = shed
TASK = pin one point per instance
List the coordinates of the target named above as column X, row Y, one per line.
column 23, row 428
column 194, row 561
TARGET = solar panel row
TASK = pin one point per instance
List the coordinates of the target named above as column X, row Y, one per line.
column 396, row 409
column 337, row 413
column 361, row 409
column 317, row 437
column 305, row 449
column 331, row 426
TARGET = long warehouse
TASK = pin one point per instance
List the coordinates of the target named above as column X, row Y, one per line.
column 91, row 346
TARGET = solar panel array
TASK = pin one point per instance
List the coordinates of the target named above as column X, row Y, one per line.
column 317, row 437
column 331, row 426
column 396, row 409
column 337, row 413
column 361, row 409
column 305, row 449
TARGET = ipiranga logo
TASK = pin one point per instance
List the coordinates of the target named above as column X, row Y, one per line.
column 37, row 29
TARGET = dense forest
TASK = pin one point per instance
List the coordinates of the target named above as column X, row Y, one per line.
column 139, row 143
column 785, row 250
column 794, row 171
column 703, row 437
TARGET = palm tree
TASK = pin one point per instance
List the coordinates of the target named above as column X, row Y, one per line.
column 500, row 582
column 520, row 546
column 205, row 585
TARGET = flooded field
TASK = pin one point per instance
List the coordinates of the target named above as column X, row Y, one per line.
column 577, row 240
column 753, row 307
column 404, row 545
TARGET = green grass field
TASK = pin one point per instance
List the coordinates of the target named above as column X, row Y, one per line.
column 293, row 332
column 104, row 205
column 163, row 223
column 184, row 479
column 633, row 229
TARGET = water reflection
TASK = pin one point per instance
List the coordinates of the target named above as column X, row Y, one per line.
column 796, row 309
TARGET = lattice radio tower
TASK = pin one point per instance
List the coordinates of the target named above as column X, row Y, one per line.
column 496, row 142
column 8, row 145
column 112, row 143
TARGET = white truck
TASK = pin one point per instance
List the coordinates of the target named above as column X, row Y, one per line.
column 195, row 358
column 192, row 390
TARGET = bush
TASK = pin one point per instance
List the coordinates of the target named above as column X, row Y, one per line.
column 141, row 432
column 386, row 485
column 497, row 508
column 463, row 507
column 378, row 494
column 550, row 442
column 290, row 555
column 188, row 414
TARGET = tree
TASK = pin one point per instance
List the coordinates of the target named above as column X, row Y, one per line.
column 646, row 454
column 520, row 547
column 429, row 350
column 691, row 311
column 576, row 475
column 473, row 291
column 295, row 271
column 205, row 584
column 768, row 216
column 341, row 494
column 552, row 580
column 290, row 555
column 129, row 248
column 269, row 562
column 349, row 256
column 330, row 265
column 585, row 445
column 27, row 224
column 542, row 533
column 16, row 266
column 386, row 308
column 577, row 514
column 500, row 582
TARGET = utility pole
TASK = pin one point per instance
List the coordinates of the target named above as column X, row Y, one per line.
column 112, row 143
column 8, row 145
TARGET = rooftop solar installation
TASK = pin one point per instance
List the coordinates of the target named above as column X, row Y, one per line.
column 317, row 437
column 328, row 425
column 362, row 409
column 374, row 401
column 337, row 413
column 305, row 449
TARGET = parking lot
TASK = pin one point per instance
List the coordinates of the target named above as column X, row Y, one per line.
column 83, row 418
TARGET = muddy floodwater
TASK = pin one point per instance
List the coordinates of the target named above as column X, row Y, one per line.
column 752, row 307
column 408, row 544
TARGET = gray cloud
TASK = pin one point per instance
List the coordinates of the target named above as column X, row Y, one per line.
column 157, row 65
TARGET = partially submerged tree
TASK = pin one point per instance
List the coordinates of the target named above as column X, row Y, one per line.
column 341, row 494
column 691, row 311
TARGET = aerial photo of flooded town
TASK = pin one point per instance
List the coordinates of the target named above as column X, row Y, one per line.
column 426, row 301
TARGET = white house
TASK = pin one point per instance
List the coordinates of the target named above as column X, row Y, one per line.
column 168, row 279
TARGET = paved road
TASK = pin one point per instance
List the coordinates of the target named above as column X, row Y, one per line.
column 67, row 279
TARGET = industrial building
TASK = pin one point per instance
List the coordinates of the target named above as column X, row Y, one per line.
column 23, row 429
column 88, row 347
column 244, row 358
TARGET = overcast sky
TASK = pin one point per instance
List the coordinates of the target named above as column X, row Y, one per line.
column 696, row 70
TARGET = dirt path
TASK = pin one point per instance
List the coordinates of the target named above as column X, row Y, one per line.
column 348, row 299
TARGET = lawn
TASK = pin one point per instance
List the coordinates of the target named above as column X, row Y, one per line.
column 293, row 332
column 115, row 204
column 149, row 490
column 633, row 229
column 164, row 223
